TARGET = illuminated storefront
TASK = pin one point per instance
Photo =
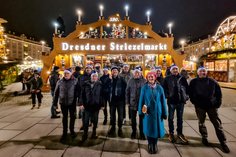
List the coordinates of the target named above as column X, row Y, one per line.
column 221, row 62
column 112, row 41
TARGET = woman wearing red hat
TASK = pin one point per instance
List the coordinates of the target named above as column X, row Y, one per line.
column 152, row 105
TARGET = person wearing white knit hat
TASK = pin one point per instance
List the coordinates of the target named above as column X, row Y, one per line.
column 205, row 93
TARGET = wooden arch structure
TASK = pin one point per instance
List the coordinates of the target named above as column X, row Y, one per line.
column 154, row 42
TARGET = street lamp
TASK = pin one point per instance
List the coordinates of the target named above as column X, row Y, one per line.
column 56, row 26
column 101, row 8
column 182, row 42
column 79, row 12
column 148, row 13
column 170, row 25
column 126, row 10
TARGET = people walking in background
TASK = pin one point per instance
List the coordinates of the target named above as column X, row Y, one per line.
column 205, row 94
column 176, row 91
column 106, row 87
column 117, row 97
column 66, row 91
column 132, row 100
column 152, row 105
column 36, row 85
column 91, row 102
column 54, row 77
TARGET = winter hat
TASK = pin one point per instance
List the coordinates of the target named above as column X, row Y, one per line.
column 138, row 67
column 125, row 65
column 89, row 66
column 114, row 67
column 136, row 70
column 151, row 73
column 68, row 71
column 94, row 74
column 105, row 69
column 55, row 68
column 201, row 68
column 173, row 66
column 158, row 68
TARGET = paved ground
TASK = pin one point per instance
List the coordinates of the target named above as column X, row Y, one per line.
column 25, row 132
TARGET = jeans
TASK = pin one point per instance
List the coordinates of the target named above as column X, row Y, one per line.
column 72, row 110
column 93, row 115
column 215, row 120
column 180, row 110
column 117, row 105
column 134, row 123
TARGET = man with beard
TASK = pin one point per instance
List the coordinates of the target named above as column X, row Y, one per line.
column 117, row 97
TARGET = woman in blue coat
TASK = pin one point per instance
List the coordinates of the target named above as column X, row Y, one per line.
column 152, row 105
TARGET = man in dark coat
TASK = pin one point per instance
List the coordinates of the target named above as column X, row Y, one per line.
column 54, row 77
column 132, row 100
column 82, row 79
column 205, row 94
column 77, row 74
column 117, row 98
column 91, row 101
column 106, row 84
column 176, row 92
column 66, row 91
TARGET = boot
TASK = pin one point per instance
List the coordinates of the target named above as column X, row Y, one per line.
column 154, row 148
column 39, row 105
column 149, row 148
column 94, row 136
column 225, row 147
column 32, row 106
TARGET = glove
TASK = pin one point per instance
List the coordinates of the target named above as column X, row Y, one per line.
column 164, row 117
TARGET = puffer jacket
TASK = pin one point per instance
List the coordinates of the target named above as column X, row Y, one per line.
column 92, row 96
column 133, row 92
column 205, row 93
column 66, row 91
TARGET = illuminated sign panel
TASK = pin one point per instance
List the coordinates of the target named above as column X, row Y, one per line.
column 113, row 46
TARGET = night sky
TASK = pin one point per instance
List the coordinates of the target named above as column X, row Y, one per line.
column 190, row 17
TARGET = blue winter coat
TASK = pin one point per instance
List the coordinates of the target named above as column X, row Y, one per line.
column 154, row 99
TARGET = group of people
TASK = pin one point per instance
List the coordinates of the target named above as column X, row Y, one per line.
column 95, row 89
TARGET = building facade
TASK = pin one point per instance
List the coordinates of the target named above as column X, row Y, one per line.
column 20, row 47
column 217, row 53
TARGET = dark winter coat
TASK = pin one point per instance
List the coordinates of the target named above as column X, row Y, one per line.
column 118, row 87
column 92, row 96
column 106, row 84
column 36, row 84
column 133, row 90
column 53, row 80
column 176, row 89
column 66, row 91
column 205, row 93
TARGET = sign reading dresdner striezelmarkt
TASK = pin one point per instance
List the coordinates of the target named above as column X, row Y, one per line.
column 113, row 46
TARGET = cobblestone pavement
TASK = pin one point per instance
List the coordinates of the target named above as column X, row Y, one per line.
column 25, row 132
